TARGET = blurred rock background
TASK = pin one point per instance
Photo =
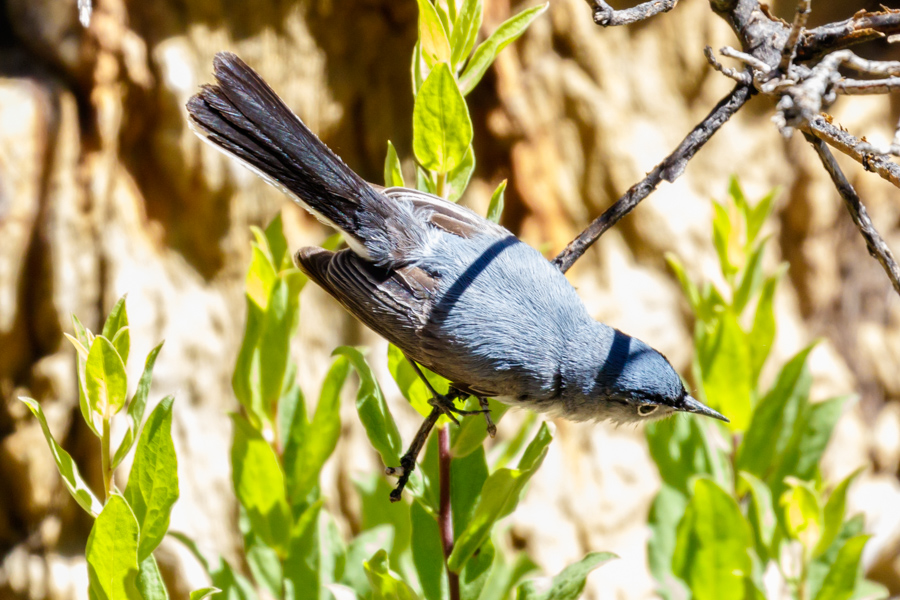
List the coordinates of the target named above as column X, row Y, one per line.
column 104, row 191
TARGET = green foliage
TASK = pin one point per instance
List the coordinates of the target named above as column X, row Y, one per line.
column 127, row 528
column 735, row 499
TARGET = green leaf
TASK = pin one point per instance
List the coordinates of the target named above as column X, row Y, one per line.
column 751, row 279
column 757, row 217
column 442, row 130
column 688, row 287
column 105, row 374
column 464, row 491
column 425, row 181
column 111, row 553
column 153, row 483
column 810, row 437
column 136, row 407
column 277, row 244
column 763, row 332
column 260, row 277
column 428, row 556
column 204, row 593
column 839, row 582
column 474, row 575
column 499, row 497
column 417, row 64
column 819, row 567
column 360, row 548
column 411, row 385
column 67, row 467
column 488, row 50
column 259, row 485
column 233, row 586
column 834, row 514
column 722, row 233
column 458, row 178
column 263, row 561
column 373, row 410
column 386, row 585
column 504, row 577
column 85, row 339
column 737, row 195
column 726, row 372
column 774, row 418
column 569, row 584
column 712, row 543
column 116, row 325
column 122, row 343
column 274, row 344
column 393, row 174
column 150, row 583
column 465, row 31
column 435, row 47
column 677, row 448
column 495, row 208
column 305, row 455
column 316, row 555
column 802, row 513
column 761, row 514
column 377, row 512
column 665, row 512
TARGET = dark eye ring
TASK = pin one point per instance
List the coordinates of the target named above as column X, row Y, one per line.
column 647, row 409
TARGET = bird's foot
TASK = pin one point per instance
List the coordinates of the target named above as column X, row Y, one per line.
column 446, row 406
column 486, row 411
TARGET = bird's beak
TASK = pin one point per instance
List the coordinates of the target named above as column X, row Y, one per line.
column 693, row 405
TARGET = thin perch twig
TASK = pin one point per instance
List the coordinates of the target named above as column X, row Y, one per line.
column 669, row 170
column 606, row 16
column 874, row 242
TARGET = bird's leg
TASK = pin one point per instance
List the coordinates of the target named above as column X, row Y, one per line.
column 408, row 462
column 444, row 403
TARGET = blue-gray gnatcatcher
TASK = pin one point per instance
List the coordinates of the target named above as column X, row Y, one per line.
column 455, row 292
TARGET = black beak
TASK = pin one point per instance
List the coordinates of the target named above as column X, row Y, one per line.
column 692, row 405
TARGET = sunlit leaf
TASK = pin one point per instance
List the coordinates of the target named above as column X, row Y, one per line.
column 442, row 129
column 569, row 584
column 153, row 483
column 111, row 552
column 67, row 467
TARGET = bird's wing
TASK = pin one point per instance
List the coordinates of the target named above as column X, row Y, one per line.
column 393, row 302
column 448, row 216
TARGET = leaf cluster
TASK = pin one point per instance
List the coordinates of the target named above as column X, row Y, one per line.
column 130, row 524
column 739, row 499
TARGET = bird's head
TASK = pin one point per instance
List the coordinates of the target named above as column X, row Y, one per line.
column 639, row 384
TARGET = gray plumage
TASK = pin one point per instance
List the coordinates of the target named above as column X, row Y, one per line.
column 456, row 292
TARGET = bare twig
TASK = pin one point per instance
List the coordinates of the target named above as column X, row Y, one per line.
column 856, row 87
column 445, row 514
column 669, row 170
column 874, row 242
column 748, row 59
column 789, row 51
column 861, row 27
column 852, row 147
column 742, row 77
column 606, row 16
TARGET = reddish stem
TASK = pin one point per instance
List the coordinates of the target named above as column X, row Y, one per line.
column 445, row 516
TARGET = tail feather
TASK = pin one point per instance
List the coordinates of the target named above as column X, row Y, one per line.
column 243, row 116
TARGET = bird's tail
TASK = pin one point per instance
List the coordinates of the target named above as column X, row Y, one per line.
column 242, row 116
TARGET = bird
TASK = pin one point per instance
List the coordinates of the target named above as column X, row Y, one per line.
column 455, row 292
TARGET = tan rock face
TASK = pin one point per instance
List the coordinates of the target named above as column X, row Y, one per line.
column 105, row 191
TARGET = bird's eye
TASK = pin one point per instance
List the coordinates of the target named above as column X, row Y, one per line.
column 646, row 410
